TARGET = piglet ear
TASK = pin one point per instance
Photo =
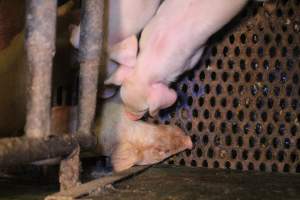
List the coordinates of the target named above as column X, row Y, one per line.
column 125, row 52
column 160, row 96
column 119, row 75
column 124, row 157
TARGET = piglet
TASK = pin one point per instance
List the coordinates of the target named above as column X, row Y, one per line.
column 171, row 43
column 125, row 20
column 127, row 142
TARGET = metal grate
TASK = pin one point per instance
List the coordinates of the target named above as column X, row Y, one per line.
column 241, row 104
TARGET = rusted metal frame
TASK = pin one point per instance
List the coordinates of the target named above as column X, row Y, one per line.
column 96, row 185
column 89, row 56
column 40, row 48
column 23, row 150
column 69, row 172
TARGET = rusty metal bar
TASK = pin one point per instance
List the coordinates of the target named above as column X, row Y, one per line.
column 23, row 150
column 69, row 171
column 89, row 57
column 40, row 46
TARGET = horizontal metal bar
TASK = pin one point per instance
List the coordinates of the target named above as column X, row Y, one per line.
column 24, row 150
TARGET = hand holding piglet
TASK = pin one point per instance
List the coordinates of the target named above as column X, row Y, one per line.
column 171, row 43
column 125, row 19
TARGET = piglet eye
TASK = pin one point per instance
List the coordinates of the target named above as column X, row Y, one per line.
column 167, row 151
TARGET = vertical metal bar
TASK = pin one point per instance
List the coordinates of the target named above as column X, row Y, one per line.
column 40, row 46
column 89, row 56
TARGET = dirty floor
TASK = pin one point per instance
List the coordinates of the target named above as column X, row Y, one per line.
column 184, row 183
column 166, row 182
column 24, row 190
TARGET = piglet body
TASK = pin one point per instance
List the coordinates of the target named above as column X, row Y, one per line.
column 126, row 18
column 171, row 43
column 129, row 142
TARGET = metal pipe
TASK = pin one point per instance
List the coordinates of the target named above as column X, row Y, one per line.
column 40, row 47
column 23, row 150
column 91, row 37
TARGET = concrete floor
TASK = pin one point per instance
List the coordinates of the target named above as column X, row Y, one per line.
column 174, row 183
column 24, row 190
column 184, row 183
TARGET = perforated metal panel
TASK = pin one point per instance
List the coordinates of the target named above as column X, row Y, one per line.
column 241, row 104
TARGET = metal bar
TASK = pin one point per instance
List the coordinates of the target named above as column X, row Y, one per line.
column 69, row 171
column 40, row 46
column 23, row 150
column 92, row 186
column 89, row 57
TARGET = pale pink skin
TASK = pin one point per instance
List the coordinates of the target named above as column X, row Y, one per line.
column 171, row 43
column 127, row 142
column 126, row 19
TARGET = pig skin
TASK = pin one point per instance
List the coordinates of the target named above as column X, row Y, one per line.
column 127, row 142
column 126, row 18
column 171, row 43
